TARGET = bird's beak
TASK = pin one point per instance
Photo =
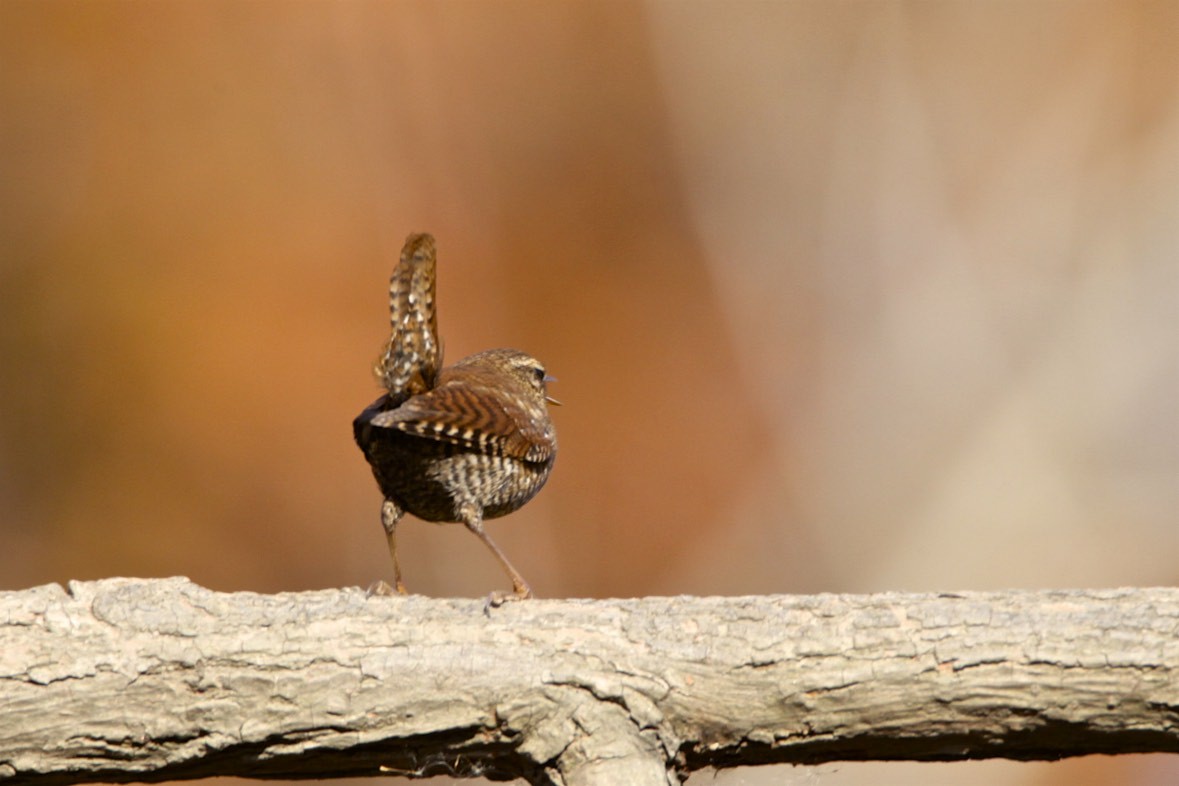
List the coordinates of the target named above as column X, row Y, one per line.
column 547, row 379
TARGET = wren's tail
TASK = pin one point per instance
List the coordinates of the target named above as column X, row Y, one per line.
column 413, row 356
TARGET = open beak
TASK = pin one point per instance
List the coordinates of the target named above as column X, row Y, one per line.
column 549, row 378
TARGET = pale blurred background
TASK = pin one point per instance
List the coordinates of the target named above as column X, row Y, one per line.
column 842, row 297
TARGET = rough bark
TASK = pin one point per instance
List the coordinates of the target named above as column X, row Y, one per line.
column 150, row 680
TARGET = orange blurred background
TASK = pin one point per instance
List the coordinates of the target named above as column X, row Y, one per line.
column 841, row 297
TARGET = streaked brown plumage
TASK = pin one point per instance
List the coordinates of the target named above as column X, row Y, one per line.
column 413, row 354
column 466, row 443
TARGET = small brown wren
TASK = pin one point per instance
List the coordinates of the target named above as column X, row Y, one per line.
column 465, row 443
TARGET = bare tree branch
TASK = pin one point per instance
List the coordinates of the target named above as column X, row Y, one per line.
column 151, row 680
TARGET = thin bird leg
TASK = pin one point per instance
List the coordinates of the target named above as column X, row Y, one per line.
column 519, row 585
column 390, row 515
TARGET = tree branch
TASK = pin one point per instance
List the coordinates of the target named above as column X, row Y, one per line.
column 152, row 680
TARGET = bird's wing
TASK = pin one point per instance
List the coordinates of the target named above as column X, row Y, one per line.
column 470, row 418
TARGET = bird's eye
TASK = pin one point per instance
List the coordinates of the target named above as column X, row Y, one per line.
column 540, row 375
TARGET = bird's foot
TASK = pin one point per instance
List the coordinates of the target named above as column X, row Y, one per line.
column 382, row 588
column 499, row 598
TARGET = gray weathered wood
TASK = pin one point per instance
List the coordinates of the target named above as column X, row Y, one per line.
column 150, row 680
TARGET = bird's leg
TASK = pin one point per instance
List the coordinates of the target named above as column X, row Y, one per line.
column 390, row 515
column 474, row 521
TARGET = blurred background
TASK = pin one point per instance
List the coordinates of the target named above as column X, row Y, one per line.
column 842, row 297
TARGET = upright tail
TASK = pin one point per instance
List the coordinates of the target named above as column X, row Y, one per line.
column 413, row 356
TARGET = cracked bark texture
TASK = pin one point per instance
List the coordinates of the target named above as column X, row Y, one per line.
column 151, row 680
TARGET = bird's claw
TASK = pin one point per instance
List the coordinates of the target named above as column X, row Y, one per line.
column 381, row 587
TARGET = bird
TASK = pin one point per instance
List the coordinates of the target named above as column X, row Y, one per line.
column 463, row 443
